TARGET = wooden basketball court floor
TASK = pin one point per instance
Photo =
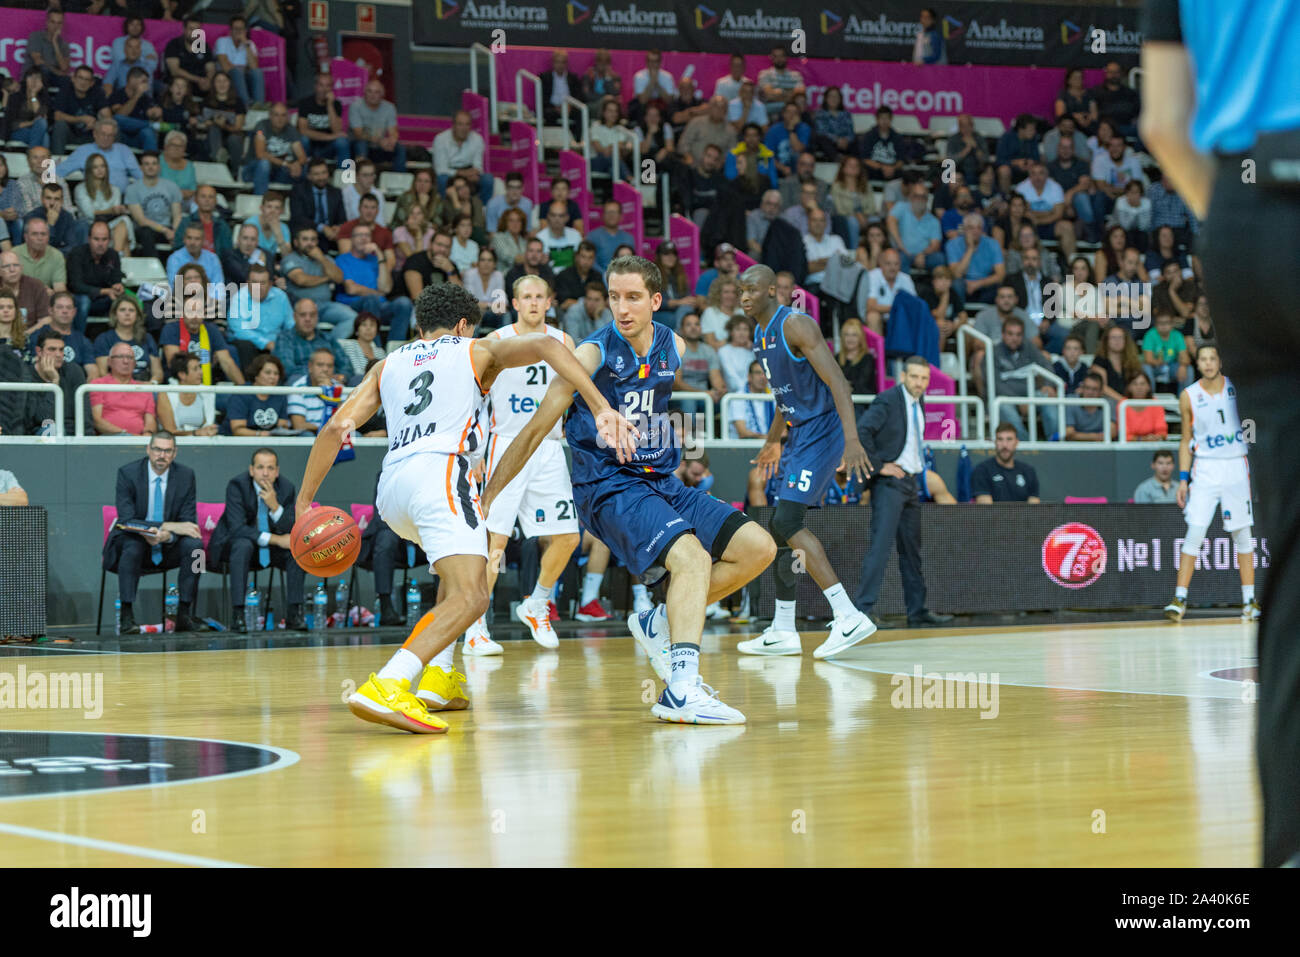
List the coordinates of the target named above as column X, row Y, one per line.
column 1110, row 745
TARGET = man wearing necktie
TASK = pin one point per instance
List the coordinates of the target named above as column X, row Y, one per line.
column 254, row 533
column 318, row 204
column 892, row 431
column 158, row 492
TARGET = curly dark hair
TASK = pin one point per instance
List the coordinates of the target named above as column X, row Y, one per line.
column 444, row 306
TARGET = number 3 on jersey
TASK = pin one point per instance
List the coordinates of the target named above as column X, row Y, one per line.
column 420, row 386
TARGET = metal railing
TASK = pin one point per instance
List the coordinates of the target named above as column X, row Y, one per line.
column 709, row 433
column 43, row 387
column 963, row 375
column 864, row 398
column 492, row 81
column 1033, row 400
column 626, row 134
column 537, row 103
column 1033, row 373
column 79, row 413
column 666, row 206
column 586, row 132
column 1167, row 401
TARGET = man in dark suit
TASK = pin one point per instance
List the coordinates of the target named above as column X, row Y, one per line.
column 892, row 431
column 1029, row 285
column 254, row 533
column 314, row 202
column 383, row 551
column 570, row 84
column 159, row 493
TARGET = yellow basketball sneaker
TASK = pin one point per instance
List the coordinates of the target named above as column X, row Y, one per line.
column 389, row 701
column 441, row 691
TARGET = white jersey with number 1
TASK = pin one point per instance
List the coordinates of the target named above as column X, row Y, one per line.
column 1220, row 469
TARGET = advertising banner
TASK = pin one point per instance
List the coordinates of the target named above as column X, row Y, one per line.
column 523, row 144
column 633, row 222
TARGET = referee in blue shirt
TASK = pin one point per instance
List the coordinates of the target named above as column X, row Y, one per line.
column 1221, row 114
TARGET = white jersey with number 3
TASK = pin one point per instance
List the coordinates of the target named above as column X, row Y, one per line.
column 516, row 393
column 1216, row 429
column 432, row 399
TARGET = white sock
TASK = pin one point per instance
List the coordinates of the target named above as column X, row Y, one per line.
column 640, row 593
column 683, row 666
column 783, row 620
column 841, row 605
column 446, row 658
column 1247, row 594
column 403, row 664
column 590, row 587
column 541, row 592
column 1181, row 592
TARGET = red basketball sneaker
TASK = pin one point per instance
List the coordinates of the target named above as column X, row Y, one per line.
column 593, row 611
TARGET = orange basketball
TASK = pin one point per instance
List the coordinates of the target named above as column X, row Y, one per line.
column 325, row 541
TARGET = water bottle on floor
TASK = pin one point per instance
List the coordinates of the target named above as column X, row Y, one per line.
column 252, row 609
column 412, row 602
column 319, row 604
column 341, row 602
column 173, row 603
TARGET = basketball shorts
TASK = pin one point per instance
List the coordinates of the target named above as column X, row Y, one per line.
column 813, row 451
column 540, row 496
column 1223, row 483
column 432, row 499
column 638, row 517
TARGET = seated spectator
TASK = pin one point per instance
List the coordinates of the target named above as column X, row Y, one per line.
column 430, row 267
column 420, row 193
column 135, row 111
column 307, row 412
column 710, row 128
column 1075, row 103
column 257, row 314
column 833, row 134
column 121, row 413
column 1164, row 355
column 1174, row 293
column 760, row 161
column 367, row 282
column 876, row 294
column 589, row 313
column 699, row 370
column 485, row 282
column 787, row 139
column 851, row 199
column 315, row 202
column 946, row 305
column 967, row 150
column 990, row 199
column 187, row 413
column 272, row 232
column 1073, row 175
column 1087, row 423
column 182, row 112
column 820, row 244
column 192, row 252
column 1133, row 212
column 745, row 109
column 609, row 235
column 1017, row 151
column 561, row 192
column 464, row 251
column 724, row 265
column 39, row 259
column 237, row 58
column 208, row 216
column 1168, row 209
column 254, row 533
column 295, row 346
column 366, row 346
column 157, row 491
column 570, row 283
column 559, row 240
column 1000, row 478
column 223, row 112
column 373, row 122
column 77, row 349
column 77, row 109
column 356, row 192
column 677, row 296
column 1113, row 166
column 1006, row 231
column 737, row 353
column 723, row 306
column 30, row 110
column 1117, row 360
column 857, row 361
column 66, row 232
column 752, row 419
column 975, row 261
column 778, row 82
column 1164, row 247
column 176, row 167
column 871, row 247
column 1070, row 367
column 133, row 29
column 459, row 200
column 411, row 236
column 460, row 151
column 1143, row 423
column 1203, row 331
column 879, row 147
column 128, row 328
column 155, row 205
column 1047, row 207
column 1160, row 488
column 758, row 220
column 188, row 56
column 607, row 135
column 31, row 295
column 1027, row 239
column 915, row 232
column 320, row 122
column 600, row 80
column 98, row 200
column 1032, row 291
column 535, row 264
column 1011, row 357
column 258, row 414
column 51, row 365
column 990, row 321
column 236, row 262
column 682, row 108
column 277, row 154
column 513, row 198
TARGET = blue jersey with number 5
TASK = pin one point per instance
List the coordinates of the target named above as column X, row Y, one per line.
column 799, row 391
column 639, row 387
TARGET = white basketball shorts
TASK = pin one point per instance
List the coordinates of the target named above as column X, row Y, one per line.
column 540, row 496
column 432, row 498
column 1220, row 483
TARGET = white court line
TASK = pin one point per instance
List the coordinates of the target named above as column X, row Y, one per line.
column 170, row 857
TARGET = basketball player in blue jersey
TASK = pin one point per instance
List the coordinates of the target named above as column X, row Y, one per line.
column 652, row 522
column 815, row 405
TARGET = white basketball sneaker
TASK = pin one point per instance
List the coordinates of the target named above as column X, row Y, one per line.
column 640, row 604
column 699, row 704
column 844, row 634
column 478, row 643
column 716, row 612
column 772, row 642
column 536, row 615
column 650, row 629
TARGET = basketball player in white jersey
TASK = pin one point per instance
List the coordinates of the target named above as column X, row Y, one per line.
column 1219, row 476
column 431, row 391
column 540, row 496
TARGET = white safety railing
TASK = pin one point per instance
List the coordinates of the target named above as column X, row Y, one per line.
column 963, row 374
column 862, row 399
column 1166, row 401
column 1032, row 374
column 586, row 131
column 42, row 387
column 626, row 134
column 537, row 103
column 707, row 399
column 665, row 203
column 79, row 413
column 1034, row 400
column 474, row 49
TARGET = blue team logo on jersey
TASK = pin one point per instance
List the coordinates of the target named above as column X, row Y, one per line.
column 789, row 480
column 541, row 516
column 618, row 363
